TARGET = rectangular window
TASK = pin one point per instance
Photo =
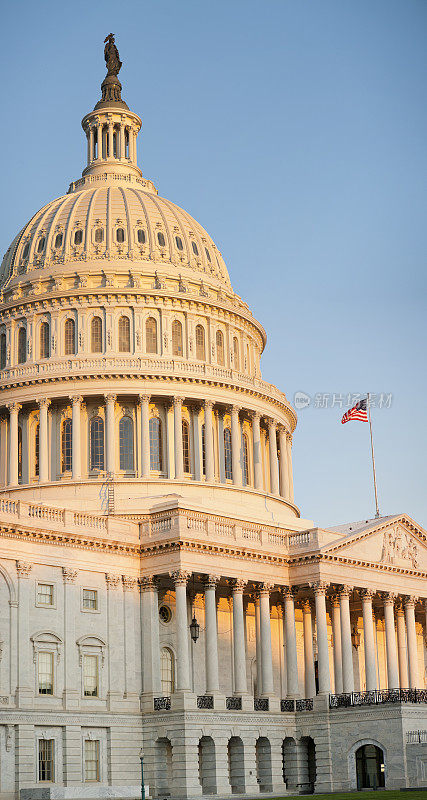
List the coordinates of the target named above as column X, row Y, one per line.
column 91, row 753
column 45, row 676
column 44, row 594
column 90, row 599
column 90, row 676
column 46, row 762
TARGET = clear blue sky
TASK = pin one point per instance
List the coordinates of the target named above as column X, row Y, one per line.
column 295, row 132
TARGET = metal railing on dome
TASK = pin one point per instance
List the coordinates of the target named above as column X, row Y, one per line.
column 377, row 697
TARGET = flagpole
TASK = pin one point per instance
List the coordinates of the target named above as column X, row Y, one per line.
column 377, row 511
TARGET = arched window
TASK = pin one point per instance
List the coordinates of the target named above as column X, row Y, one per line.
column 248, row 360
column 2, row 350
column 208, row 255
column 227, row 454
column 141, row 236
column 67, row 445
column 195, row 248
column 200, row 343
column 220, row 348
column 120, row 235
column 176, row 338
column 167, row 671
column 161, row 239
column 178, row 242
column 26, row 250
column 186, row 446
column 124, row 335
column 96, row 436
column 96, row 335
column 70, row 337
column 236, row 356
column 155, row 429
column 151, row 335
column 22, row 345
column 203, row 451
column 126, row 444
column 36, row 449
column 19, row 453
column 44, row 340
column 58, row 241
column 78, row 237
column 245, row 460
column 99, row 235
column 41, row 244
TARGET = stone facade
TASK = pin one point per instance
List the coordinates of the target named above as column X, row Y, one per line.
column 161, row 594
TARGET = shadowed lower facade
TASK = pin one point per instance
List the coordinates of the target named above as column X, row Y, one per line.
column 160, row 591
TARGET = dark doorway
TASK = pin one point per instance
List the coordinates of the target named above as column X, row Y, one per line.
column 370, row 767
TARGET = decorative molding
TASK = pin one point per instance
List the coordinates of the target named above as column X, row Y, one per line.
column 23, row 569
column 180, row 577
column 69, row 575
column 148, row 583
column 112, row 581
column 129, row 583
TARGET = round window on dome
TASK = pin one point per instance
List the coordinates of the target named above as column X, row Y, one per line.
column 26, row 250
column 120, row 235
column 161, row 239
column 195, row 248
column 165, row 614
column 178, row 242
column 58, row 240
column 141, row 236
column 41, row 244
column 78, row 237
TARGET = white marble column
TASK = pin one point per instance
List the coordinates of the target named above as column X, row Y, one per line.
column 290, row 473
column 322, row 637
column 369, row 641
column 145, row 435
column 110, row 139
column 274, row 466
column 211, row 636
column 76, row 460
column 390, row 642
column 209, row 443
column 71, row 694
column 14, row 409
column 337, row 649
column 43, row 404
column 309, row 675
column 284, row 472
column 346, row 644
column 177, row 436
column 292, row 689
column 25, row 682
column 236, row 446
column 99, row 140
column 411, row 633
column 265, row 636
column 122, row 140
column 256, row 432
column 401, row 647
column 91, row 143
column 180, row 578
column 110, row 401
column 239, row 649
column 129, row 610
column 151, row 683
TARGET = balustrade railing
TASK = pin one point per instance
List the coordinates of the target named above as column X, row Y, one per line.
column 233, row 703
column 377, row 697
column 205, row 701
column 162, row 704
column 416, row 737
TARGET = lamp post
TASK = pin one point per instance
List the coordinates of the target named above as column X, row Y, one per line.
column 141, row 758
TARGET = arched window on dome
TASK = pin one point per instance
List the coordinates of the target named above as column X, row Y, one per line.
column 22, row 345
column 155, row 431
column 141, row 236
column 70, row 337
column 124, row 335
column 126, row 444
column 2, row 349
column 78, row 237
column 36, row 449
column 220, row 348
column 227, row 455
column 208, row 255
column 120, row 235
column 176, row 338
column 19, row 453
column 178, row 242
column 200, row 343
column 44, row 340
column 167, row 671
column 96, row 437
column 161, row 239
column 151, row 336
column 186, row 455
column 41, row 244
column 195, row 248
column 99, row 235
column 245, row 460
column 67, row 445
column 26, row 250
column 58, row 241
column 248, row 359
column 236, row 355
column 96, row 335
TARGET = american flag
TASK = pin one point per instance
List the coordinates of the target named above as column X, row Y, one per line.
column 359, row 412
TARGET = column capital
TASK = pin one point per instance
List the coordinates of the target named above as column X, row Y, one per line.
column 178, row 401
column 367, row 594
column 410, row 601
column 344, row 590
column 110, row 398
column 265, row 588
column 235, row 409
column 44, row 402
column 208, row 404
column 254, row 415
column 271, row 422
column 180, row 577
column 211, row 581
column 16, row 407
column 389, row 598
column 144, row 399
column 239, row 585
column 306, row 605
column 69, row 575
column 289, row 437
column 112, row 581
column 147, row 583
column 129, row 583
column 76, row 399
column 23, row 569
column 289, row 592
column 334, row 600
column 319, row 587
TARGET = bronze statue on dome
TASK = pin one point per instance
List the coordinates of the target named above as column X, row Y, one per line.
column 111, row 55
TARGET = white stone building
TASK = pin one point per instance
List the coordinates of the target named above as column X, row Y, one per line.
column 146, row 479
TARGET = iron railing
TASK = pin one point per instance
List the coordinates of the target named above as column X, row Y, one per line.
column 304, row 704
column 287, row 705
column 162, row 704
column 233, row 703
column 261, row 704
column 205, row 701
column 377, row 697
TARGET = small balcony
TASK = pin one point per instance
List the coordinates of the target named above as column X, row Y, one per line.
column 377, row 697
